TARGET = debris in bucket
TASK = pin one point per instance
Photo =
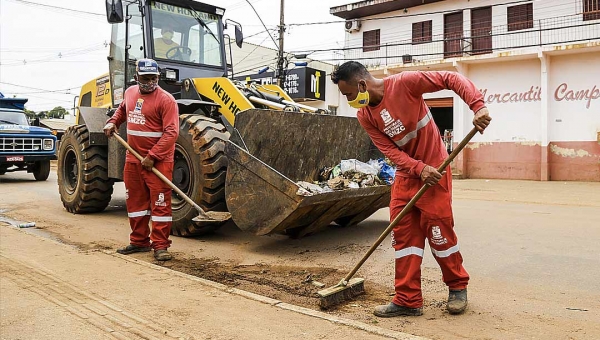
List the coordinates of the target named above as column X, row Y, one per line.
column 350, row 174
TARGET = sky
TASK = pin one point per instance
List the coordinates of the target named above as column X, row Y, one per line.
column 47, row 53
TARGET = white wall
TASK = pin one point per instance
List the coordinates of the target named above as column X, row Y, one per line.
column 511, row 91
column 569, row 119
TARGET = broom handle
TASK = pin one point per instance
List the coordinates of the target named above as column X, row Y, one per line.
column 160, row 175
column 410, row 204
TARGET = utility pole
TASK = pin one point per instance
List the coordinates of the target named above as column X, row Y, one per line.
column 280, row 58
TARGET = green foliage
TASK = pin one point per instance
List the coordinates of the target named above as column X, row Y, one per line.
column 57, row 112
column 30, row 114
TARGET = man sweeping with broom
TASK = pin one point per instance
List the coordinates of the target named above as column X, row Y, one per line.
column 395, row 116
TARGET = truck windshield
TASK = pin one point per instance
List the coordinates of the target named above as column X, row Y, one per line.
column 13, row 118
column 186, row 35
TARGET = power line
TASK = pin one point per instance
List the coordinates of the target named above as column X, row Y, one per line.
column 261, row 21
column 56, row 7
column 39, row 89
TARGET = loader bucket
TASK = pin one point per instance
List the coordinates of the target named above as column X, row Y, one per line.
column 269, row 151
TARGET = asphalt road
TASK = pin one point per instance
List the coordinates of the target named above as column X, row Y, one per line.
column 530, row 248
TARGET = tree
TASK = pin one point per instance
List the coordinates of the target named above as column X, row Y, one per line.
column 57, row 112
column 30, row 114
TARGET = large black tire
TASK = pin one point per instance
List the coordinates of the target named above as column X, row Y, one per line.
column 199, row 171
column 41, row 170
column 83, row 180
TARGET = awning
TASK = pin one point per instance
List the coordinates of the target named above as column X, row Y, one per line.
column 439, row 102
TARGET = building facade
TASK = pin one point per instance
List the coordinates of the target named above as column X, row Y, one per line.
column 537, row 64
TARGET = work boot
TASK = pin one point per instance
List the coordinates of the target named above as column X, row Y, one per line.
column 130, row 249
column 457, row 301
column 392, row 309
column 162, row 255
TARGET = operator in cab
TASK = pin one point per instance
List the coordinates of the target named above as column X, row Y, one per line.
column 163, row 44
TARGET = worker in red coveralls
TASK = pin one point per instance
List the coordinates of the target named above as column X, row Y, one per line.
column 152, row 129
column 395, row 116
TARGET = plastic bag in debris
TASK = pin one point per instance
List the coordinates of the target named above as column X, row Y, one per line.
column 357, row 166
column 387, row 173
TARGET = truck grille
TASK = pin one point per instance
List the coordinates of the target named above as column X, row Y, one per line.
column 21, row 144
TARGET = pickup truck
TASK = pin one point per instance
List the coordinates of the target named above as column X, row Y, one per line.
column 24, row 147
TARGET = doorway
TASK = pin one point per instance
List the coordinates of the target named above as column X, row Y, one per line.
column 444, row 118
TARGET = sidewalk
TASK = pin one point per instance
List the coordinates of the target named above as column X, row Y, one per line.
column 54, row 291
column 534, row 192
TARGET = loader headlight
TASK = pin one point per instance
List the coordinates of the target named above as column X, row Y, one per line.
column 169, row 74
column 48, row 144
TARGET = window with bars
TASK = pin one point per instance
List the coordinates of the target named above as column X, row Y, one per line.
column 421, row 32
column 371, row 40
column 591, row 9
column 520, row 17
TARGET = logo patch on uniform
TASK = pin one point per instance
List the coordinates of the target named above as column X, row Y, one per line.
column 126, row 194
column 136, row 116
column 386, row 116
column 161, row 201
column 436, row 236
column 138, row 105
column 393, row 126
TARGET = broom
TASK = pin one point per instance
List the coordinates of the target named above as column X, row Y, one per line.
column 350, row 287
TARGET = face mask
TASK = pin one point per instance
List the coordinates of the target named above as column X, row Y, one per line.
column 168, row 35
column 361, row 100
column 147, row 87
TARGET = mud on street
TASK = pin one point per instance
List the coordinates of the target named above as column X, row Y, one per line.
column 528, row 246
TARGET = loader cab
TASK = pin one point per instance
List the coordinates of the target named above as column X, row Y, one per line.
column 185, row 37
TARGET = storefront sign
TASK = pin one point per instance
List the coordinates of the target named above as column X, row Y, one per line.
column 300, row 83
column 534, row 94
column 564, row 93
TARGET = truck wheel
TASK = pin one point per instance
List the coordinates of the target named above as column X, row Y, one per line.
column 41, row 170
column 199, row 170
column 83, row 180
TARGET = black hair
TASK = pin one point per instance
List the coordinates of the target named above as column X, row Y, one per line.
column 349, row 72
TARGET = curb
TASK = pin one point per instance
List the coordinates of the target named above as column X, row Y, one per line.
column 248, row 295
column 275, row 303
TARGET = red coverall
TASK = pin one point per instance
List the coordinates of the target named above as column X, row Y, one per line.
column 402, row 127
column 152, row 129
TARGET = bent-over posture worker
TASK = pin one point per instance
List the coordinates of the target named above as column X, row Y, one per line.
column 152, row 129
column 395, row 116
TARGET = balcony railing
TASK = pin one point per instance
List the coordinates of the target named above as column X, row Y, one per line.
column 543, row 32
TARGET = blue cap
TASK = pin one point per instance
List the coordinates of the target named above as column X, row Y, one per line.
column 146, row 66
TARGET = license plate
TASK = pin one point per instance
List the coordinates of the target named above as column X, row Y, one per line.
column 14, row 158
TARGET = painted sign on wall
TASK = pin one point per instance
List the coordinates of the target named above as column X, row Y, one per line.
column 534, row 94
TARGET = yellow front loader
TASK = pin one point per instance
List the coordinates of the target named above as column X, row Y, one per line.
column 241, row 148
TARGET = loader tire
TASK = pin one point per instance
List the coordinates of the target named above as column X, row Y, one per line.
column 199, row 170
column 83, row 181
